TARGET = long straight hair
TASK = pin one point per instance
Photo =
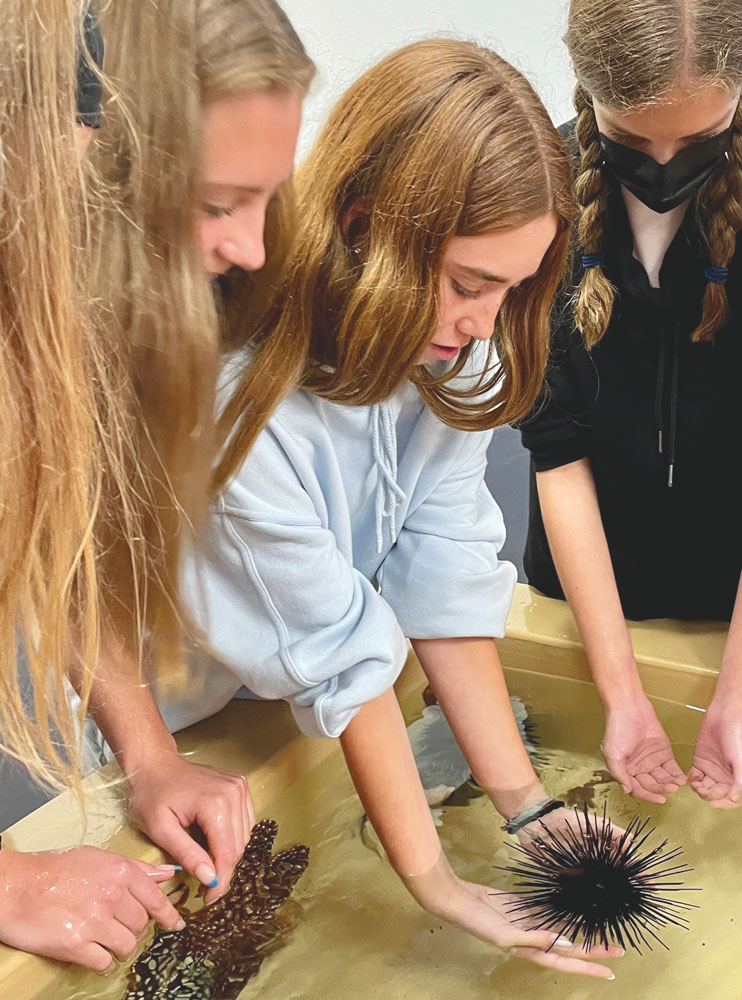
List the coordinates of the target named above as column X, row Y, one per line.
column 166, row 61
column 441, row 139
column 54, row 446
column 628, row 56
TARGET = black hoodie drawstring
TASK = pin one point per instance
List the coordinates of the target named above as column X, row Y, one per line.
column 659, row 393
column 674, row 408
column 672, row 435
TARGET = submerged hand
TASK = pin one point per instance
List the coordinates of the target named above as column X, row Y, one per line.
column 638, row 753
column 82, row 905
column 716, row 774
column 170, row 794
column 564, row 823
column 483, row 912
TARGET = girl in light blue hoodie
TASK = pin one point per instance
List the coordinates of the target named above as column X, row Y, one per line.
column 352, row 510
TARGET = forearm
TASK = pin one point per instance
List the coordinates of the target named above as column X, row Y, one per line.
column 380, row 761
column 469, row 684
column 729, row 685
column 569, row 506
column 123, row 706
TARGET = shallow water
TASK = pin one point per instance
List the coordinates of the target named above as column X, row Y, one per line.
column 361, row 936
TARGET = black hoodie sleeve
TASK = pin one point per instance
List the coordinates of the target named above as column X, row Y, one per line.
column 557, row 431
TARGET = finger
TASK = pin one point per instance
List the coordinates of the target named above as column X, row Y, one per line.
column 132, row 914
column 219, row 827
column 117, row 939
column 648, row 783
column 169, row 834
column 571, row 965
column 597, row 951
column 675, row 771
column 639, row 791
column 94, row 957
column 666, row 778
column 249, row 810
column 158, row 873
column 725, row 803
column 156, row 903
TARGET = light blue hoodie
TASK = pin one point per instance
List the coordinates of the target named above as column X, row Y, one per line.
column 347, row 529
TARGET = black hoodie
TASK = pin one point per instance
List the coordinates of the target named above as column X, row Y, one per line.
column 660, row 420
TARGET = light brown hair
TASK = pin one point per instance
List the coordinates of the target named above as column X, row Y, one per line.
column 166, row 60
column 441, row 139
column 627, row 56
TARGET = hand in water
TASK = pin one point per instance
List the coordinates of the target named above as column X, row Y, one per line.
column 170, row 794
column 638, row 753
column 483, row 912
column 82, row 905
column 716, row 774
column 561, row 822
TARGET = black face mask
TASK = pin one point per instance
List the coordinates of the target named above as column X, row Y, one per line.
column 664, row 186
column 89, row 87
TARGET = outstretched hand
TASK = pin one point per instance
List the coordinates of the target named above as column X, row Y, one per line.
column 638, row 753
column 485, row 913
column 716, row 774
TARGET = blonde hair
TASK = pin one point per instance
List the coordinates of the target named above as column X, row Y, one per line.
column 54, row 447
column 441, row 139
column 166, row 60
column 630, row 55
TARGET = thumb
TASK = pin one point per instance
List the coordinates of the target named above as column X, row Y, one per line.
column 171, row 837
column 619, row 770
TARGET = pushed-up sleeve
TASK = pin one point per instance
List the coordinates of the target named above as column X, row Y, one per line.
column 557, row 431
column 443, row 577
column 282, row 607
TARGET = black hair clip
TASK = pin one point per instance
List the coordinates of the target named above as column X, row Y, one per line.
column 718, row 275
column 592, row 260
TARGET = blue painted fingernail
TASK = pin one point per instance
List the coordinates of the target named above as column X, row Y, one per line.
column 207, row 876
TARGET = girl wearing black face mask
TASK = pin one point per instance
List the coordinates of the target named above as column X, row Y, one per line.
column 635, row 444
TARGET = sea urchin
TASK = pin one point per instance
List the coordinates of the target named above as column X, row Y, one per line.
column 586, row 881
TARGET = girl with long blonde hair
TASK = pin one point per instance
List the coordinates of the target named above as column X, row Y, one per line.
column 434, row 218
column 635, row 509
column 198, row 148
column 61, row 453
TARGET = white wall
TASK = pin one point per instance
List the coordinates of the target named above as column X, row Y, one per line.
column 345, row 37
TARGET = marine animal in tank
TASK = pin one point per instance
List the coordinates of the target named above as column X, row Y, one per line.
column 223, row 945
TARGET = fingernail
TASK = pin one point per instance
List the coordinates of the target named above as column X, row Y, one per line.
column 180, row 926
column 165, row 868
column 625, row 789
column 564, row 942
column 612, row 976
column 207, row 876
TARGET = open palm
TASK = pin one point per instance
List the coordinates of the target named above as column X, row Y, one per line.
column 716, row 774
column 638, row 753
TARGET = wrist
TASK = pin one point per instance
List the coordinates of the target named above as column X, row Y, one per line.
column 626, row 698
column 142, row 755
column 511, row 802
column 435, row 888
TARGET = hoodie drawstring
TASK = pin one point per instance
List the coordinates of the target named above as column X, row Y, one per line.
column 388, row 492
column 672, row 434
